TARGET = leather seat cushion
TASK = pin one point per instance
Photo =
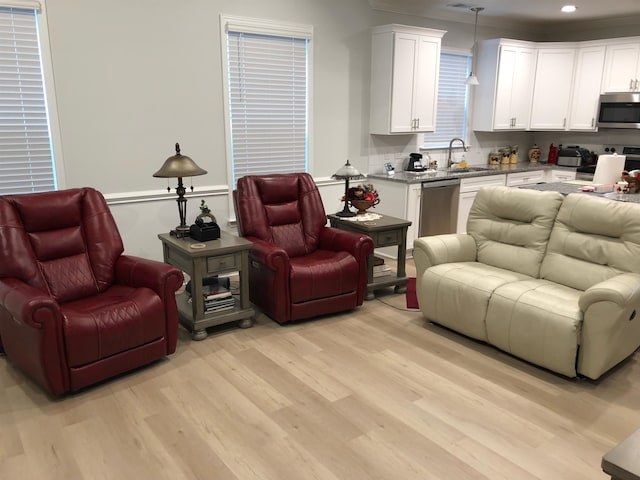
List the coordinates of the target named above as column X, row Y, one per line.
column 457, row 295
column 538, row 321
column 119, row 319
column 322, row 274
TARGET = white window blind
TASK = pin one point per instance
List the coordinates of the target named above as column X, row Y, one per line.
column 268, row 103
column 451, row 117
column 26, row 158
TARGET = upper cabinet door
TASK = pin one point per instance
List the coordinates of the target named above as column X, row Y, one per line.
column 405, row 71
column 404, row 79
column 522, row 87
column 552, row 89
column 503, row 98
column 425, row 88
column 621, row 68
column 586, row 88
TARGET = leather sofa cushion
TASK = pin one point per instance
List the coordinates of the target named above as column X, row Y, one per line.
column 457, row 295
column 538, row 321
column 111, row 322
column 511, row 227
column 592, row 240
column 323, row 274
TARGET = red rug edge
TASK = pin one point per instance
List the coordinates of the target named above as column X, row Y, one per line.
column 411, row 297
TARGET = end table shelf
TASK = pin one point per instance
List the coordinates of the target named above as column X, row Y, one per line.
column 385, row 231
column 228, row 254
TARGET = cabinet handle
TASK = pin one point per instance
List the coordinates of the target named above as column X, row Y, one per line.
column 631, row 82
column 418, row 123
column 593, row 122
column 636, row 87
column 564, row 122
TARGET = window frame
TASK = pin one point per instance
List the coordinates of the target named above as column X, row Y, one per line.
column 468, row 99
column 40, row 15
column 263, row 27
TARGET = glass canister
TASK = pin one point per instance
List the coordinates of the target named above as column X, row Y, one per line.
column 494, row 158
column 534, row 153
column 513, row 158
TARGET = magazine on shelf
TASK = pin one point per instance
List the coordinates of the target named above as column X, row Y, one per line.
column 211, row 292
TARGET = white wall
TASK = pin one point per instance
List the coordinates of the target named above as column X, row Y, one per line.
column 132, row 77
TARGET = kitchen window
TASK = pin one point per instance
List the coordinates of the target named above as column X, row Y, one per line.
column 451, row 117
column 267, row 72
column 26, row 153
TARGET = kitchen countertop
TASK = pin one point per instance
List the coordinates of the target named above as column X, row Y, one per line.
column 566, row 188
column 432, row 176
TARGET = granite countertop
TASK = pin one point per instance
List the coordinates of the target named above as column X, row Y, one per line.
column 486, row 170
column 566, row 188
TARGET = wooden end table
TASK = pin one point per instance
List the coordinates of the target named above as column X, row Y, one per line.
column 385, row 231
column 228, row 254
column 623, row 461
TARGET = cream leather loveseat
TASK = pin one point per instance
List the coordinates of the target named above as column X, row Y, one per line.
column 553, row 280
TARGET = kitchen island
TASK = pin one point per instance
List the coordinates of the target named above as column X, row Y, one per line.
column 566, row 188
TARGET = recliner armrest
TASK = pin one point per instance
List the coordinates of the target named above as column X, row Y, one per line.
column 275, row 258
column 162, row 278
column 24, row 302
column 623, row 290
column 31, row 329
column 447, row 248
column 357, row 244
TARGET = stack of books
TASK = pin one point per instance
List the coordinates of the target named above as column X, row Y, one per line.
column 217, row 298
column 379, row 268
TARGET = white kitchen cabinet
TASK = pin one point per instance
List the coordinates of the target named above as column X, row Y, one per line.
column 506, row 70
column 586, row 87
column 404, row 79
column 468, row 189
column 531, row 177
column 622, row 66
column 560, row 175
column 552, row 88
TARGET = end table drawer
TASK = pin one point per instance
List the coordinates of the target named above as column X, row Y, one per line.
column 385, row 239
column 222, row 262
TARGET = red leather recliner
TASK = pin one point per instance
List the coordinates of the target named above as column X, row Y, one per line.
column 73, row 309
column 299, row 267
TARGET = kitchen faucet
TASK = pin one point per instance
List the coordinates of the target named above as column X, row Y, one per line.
column 465, row 148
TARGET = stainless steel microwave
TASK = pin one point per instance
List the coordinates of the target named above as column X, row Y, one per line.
column 619, row 110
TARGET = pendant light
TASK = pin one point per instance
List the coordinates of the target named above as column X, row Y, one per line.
column 473, row 80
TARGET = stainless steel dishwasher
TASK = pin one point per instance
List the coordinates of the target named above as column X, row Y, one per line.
column 439, row 207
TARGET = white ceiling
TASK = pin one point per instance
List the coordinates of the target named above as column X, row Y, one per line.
column 531, row 12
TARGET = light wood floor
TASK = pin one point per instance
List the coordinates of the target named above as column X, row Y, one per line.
column 377, row 393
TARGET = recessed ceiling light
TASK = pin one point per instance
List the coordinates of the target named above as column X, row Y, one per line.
column 568, row 9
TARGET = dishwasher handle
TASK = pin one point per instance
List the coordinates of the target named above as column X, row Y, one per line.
column 452, row 182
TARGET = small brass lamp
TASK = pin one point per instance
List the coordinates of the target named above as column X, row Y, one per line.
column 179, row 166
column 346, row 173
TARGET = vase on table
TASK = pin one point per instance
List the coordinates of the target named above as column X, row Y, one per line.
column 364, row 205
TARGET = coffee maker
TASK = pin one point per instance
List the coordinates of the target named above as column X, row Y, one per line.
column 415, row 163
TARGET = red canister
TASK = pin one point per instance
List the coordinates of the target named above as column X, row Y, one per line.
column 553, row 154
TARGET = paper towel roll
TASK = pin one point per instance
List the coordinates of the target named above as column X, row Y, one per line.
column 609, row 168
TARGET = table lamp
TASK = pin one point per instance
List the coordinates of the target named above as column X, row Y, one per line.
column 346, row 173
column 179, row 166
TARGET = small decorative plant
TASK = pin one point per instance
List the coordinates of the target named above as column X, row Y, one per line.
column 362, row 197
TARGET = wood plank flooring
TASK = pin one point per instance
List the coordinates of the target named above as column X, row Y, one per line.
column 377, row 393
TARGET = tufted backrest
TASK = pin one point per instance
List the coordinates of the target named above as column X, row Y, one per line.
column 63, row 242
column 283, row 209
column 511, row 227
column 593, row 239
